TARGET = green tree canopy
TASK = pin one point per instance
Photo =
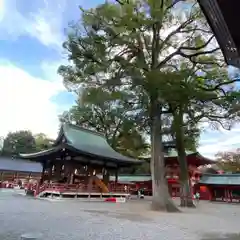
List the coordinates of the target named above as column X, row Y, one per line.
column 140, row 47
column 42, row 142
column 109, row 113
column 19, row 142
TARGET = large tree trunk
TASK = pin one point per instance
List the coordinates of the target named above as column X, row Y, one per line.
column 161, row 200
column 186, row 193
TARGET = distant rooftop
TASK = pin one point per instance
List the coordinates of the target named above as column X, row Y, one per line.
column 194, row 158
column 220, row 179
column 19, row 165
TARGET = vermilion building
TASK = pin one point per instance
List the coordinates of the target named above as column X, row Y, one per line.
column 194, row 161
column 220, row 187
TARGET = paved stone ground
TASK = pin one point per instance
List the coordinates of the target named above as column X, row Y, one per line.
column 76, row 220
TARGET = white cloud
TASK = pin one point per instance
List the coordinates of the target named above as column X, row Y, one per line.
column 25, row 101
column 50, row 69
column 213, row 142
column 44, row 24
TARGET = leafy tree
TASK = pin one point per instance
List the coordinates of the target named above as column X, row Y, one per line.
column 106, row 112
column 185, row 90
column 19, row 142
column 229, row 161
column 137, row 47
column 42, row 142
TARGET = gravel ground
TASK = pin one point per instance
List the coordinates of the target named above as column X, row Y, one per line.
column 76, row 220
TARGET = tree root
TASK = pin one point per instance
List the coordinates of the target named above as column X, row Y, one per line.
column 164, row 207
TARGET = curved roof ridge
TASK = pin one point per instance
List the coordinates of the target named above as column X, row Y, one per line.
column 86, row 142
column 77, row 127
column 40, row 153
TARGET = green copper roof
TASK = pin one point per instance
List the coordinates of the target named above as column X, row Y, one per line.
column 85, row 142
column 220, row 179
column 93, row 143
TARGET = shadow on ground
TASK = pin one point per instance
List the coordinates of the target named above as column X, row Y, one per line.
column 215, row 236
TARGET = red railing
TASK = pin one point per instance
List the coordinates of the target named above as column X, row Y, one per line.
column 114, row 188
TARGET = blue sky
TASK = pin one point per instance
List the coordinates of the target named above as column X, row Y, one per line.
column 31, row 37
column 31, row 92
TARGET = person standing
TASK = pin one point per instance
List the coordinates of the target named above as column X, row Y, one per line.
column 197, row 197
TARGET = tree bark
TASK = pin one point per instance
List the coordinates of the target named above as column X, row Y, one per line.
column 161, row 200
column 185, row 192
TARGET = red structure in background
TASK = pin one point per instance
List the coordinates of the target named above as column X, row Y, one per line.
column 219, row 187
column 82, row 162
column 194, row 160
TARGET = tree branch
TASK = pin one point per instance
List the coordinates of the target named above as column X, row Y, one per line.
column 183, row 25
column 122, row 2
column 196, row 29
column 168, row 58
column 199, row 47
column 217, row 87
column 191, row 56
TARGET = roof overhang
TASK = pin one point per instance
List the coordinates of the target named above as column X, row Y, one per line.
column 192, row 159
column 222, row 17
column 120, row 163
column 47, row 154
column 220, row 179
column 38, row 155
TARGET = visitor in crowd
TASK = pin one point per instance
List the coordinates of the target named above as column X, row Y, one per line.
column 197, row 197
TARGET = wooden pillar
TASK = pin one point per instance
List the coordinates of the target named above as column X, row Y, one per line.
column 71, row 178
column 43, row 173
column 50, row 171
column 106, row 177
column 65, row 171
column 213, row 194
column 116, row 176
column 58, row 170
column 29, row 177
column 70, row 173
column 230, row 194
column 225, row 195
column 86, row 180
column 2, row 176
column 14, row 176
column 210, row 193
column 90, row 179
